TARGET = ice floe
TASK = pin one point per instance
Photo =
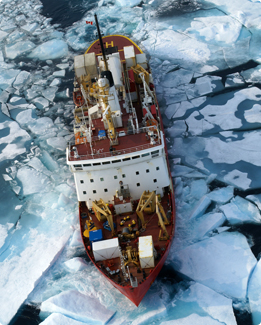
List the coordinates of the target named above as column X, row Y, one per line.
column 240, row 211
column 60, row 319
column 222, row 263
column 78, row 306
column 50, row 50
column 254, row 296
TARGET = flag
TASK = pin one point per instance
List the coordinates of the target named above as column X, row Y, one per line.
column 88, row 22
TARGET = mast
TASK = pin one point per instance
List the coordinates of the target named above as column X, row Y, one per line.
column 100, row 38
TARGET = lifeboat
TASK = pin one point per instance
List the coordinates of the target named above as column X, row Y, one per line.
column 78, row 98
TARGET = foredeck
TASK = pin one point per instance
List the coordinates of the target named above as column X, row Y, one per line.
column 152, row 228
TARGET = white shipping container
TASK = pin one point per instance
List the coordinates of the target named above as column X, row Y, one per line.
column 79, row 67
column 129, row 55
column 106, row 249
column 90, row 64
column 141, row 60
column 146, row 252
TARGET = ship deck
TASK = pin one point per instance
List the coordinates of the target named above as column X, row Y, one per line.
column 152, row 228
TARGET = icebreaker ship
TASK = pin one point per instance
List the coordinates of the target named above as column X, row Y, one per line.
column 119, row 161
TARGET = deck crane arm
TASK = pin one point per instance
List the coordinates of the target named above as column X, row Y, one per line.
column 100, row 208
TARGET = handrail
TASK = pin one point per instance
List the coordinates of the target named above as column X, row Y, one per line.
column 96, row 155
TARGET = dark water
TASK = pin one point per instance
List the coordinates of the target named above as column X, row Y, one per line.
column 27, row 315
column 66, row 12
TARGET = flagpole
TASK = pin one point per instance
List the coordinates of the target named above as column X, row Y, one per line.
column 100, row 38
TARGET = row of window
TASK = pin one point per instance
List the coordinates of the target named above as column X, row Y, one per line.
column 153, row 155
column 116, row 177
column 106, row 190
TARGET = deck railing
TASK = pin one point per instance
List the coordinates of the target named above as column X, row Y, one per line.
column 92, row 153
column 74, row 156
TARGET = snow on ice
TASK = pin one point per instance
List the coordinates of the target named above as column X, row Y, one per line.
column 222, row 263
column 211, row 116
column 77, row 306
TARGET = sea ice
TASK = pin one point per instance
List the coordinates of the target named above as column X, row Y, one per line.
column 150, row 316
column 253, row 115
column 30, row 27
column 128, row 3
column 7, row 77
column 41, row 126
column 60, row 319
column 171, row 110
column 76, row 239
column 238, row 179
column 21, row 273
column 200, row 299
column 15, row 50
column 223, row 29
column 176, row 78
column 234, row 80
column 21, row 79
column 55, row 82
column 196, row 125
column 77, row 306
column 240, row 211
column 39, row 166
column 222, row 263
column 254, row 294
column 25, row 117
column 252, row 75
column 185, row 51
column 222, row 195
column 208, row 84
column 57, row 143
column 75, row 264
column 32, row 180
column 60, row 73
column 205, row 224
column 41, row 102
column 183, row 109
column 13, row 144
column 49, row 93
column 52, row 49
column 201, row 207
column 256, row 199
column 193, row 319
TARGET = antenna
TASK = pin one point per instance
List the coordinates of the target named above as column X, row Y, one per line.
column 100, row 38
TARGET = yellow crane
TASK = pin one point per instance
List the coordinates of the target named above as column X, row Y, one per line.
column 163, row 220
column 146, row 204
column 102, row 213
